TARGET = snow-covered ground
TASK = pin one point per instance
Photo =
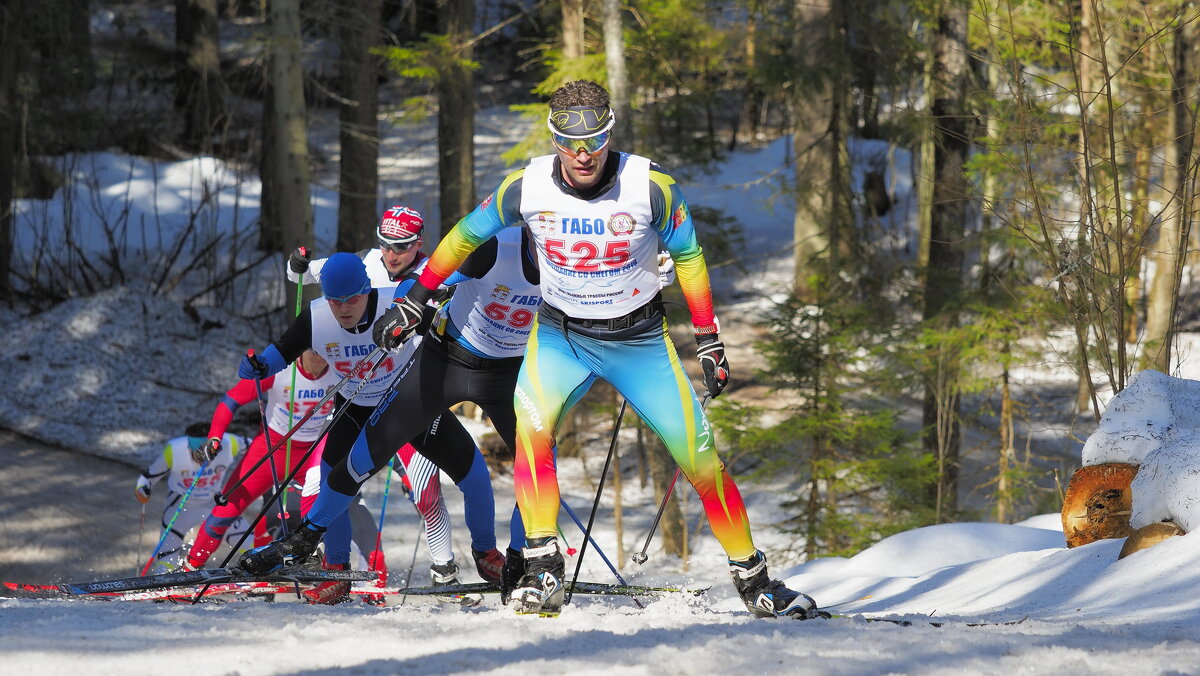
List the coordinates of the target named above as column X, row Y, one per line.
column 115, row 373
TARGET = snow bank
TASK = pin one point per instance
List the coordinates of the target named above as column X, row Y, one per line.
column 1155, row 423
column 1139, row 418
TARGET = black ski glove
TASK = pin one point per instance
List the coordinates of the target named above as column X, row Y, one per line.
column 711, row 352
column 299, row 261
column 398, row 323
column 207, row 451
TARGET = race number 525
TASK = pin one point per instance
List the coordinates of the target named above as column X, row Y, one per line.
column 586, row 256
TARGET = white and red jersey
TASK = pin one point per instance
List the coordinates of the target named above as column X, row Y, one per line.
column 494, row 314
column 343, row 350
column 599, row 257
column 278, row 392
column 181, row 471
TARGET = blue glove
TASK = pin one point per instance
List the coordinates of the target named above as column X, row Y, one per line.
column 262, row 365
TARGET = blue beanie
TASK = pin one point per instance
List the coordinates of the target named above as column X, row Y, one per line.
column 344, row 275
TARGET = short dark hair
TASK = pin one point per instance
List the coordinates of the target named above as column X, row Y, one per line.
column 579, row 93
column 197, row 429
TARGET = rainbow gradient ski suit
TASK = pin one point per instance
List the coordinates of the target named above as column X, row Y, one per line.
column 602, row 317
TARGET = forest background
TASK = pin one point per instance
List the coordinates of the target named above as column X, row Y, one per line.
column 1050, row 145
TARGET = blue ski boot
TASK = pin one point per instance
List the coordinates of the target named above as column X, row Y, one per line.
column 766, row 597
column 295, row 549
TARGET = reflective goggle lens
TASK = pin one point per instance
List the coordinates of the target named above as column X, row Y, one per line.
column 396, row 247
column 591, row 145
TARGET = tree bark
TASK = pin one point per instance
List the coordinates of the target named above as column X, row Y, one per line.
column 618, row 79
column 358, row 73
column 13, row 52
column 288, row 219
column 199, row 90
column 456, row 120
column 810, row 114
column 572, row 17
column 943, row 280
column 1179, row 177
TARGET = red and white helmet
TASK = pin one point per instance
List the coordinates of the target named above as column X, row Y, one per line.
column 400, row 225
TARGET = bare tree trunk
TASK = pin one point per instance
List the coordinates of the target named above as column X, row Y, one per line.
column 358, row 72
column 944, row 280
column 809, row 117
column 572, row 17
column 618, row 80
column 290, row 213
column 1004, row 488
column 13, row 49
column 199, row 89
column 456, row 119
column 1179, row 176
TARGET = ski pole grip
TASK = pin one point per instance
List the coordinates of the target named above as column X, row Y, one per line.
column 220, row 499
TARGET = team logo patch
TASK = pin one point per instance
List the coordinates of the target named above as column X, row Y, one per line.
column 501, row 292
column 680, row 215
column 545, row 222
column 486, row 201
column 621, row 224
column 333, row 350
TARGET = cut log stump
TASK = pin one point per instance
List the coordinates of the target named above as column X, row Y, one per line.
column 1098, row 503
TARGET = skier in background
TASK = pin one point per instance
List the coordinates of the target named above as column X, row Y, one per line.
column 179, row 464
column 339, row 324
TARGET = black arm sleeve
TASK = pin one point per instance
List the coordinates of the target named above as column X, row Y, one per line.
column 298, row 336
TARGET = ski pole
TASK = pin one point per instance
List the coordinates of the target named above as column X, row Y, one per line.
column 220, row 498
column 387, row 485
column 292, row 475
column 570, row 550
column 587, row 532
column 640, row 557
column 262, row 420
column 137, row 563
column 411, row 565
column 596, row 546
column 178, row 511
column 287, row 457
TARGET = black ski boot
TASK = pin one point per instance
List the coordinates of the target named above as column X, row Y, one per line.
column 766, row 597
column 447, row 574
column 510, row 577
column 541, row 589
column 295, row 549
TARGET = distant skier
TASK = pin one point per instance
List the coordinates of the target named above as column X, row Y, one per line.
column 399, row 258
column 399, row 252
column 313, row 376
column 179, row 464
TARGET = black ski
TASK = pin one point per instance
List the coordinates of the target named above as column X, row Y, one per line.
column 597, row 588
column 923, row 622
column 211, row 576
